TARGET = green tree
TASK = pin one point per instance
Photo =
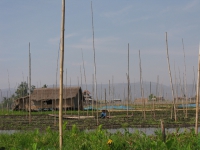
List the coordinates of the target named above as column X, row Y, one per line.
column 23, row 89
column 151, row 96
column 8, row 101
column 44, row 86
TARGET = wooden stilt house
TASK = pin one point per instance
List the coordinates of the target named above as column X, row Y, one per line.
column 48, row 98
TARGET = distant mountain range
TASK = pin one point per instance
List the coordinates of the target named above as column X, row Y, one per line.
column 119, row 90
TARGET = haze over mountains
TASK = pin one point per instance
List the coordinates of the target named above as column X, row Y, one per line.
column 119, row 90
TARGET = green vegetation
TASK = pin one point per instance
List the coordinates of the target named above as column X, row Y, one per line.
column 151, row 96
column 19, row 120
column 99, row 140
column 23, row 89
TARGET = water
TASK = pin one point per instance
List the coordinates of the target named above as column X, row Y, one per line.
column 147, row 131
column 8, row 131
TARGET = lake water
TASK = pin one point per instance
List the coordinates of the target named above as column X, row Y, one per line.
column 147, row 131
column 8, row 131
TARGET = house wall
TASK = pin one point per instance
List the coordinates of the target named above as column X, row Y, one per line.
column 41, row 104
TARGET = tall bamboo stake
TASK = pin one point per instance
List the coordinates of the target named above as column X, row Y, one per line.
column 71, row 95
column 55, row 95
column 127, row 96
column 1, row 100
column 141, row 87
column 51, row 99
column 101, row 92
column 40, row 95
column 197, row 98
column 61, row 74
column 7, row 102
column 176, row 89
column 157, row 89
column 134, row 93
column 92, row 94
column 9, row 84
column 29, row 85
column 23, row 89
column 109, row 98
column 194, row 83
column 128, row 83
column 66, row 93
column 27, row 100
column 185, row 77
column 81, row 88
column 105, row 99
column 181, row 89
column 101, row 97
column 56, row 83
column 95, row 79
column 112, row 92
column 78, row 100
column 84, row 76
column 172, row 88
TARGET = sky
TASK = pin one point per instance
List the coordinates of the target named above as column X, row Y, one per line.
column 141, row 24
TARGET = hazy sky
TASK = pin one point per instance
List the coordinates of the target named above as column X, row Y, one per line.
column 142, row 24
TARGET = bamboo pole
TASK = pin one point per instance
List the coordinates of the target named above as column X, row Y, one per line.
column 78, row 100
column 55, row 94
column 181, row 89
column 154, row 114
column 95, row 79
column 22, row 91
column 71, row 95
column 197, row 97
column 163, row 130
column 26, row 99
column 112, row 93
column 157, row 90
column 128, row 84
column 176, row 89
column 194, row 83
column 51, row 99
column 1, row 100
column 109, row 98
column 56, row 84
column 172, row 88
column 66, row 93
column 92, row 94
column 105, row 99
column 134, row 94
column 81, row 88
column 185, row 77
column 7, row 102
column 29, row 85
column 127, row 103
column 141, row 87
column 84, row 76
column 61, row 74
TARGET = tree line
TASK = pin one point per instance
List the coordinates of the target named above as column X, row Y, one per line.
column 21, row 91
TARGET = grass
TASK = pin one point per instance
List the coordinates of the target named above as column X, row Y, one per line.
column 99, row 139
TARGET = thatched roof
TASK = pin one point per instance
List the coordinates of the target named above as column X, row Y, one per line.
column 53, row 93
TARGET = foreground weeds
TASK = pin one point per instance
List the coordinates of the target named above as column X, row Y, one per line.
column 98, row 140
